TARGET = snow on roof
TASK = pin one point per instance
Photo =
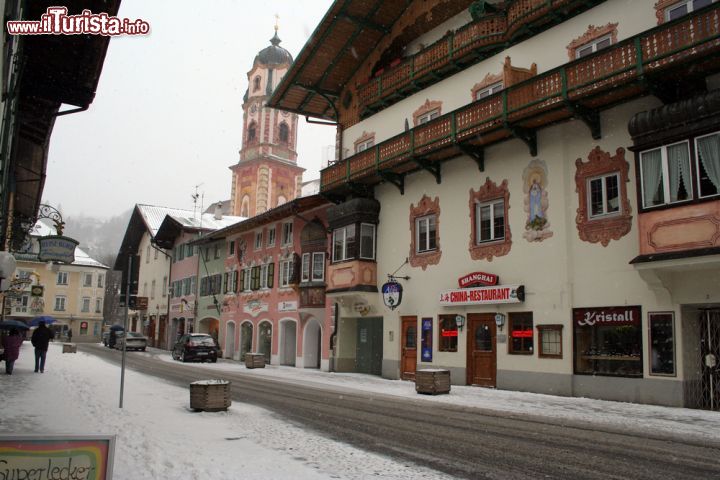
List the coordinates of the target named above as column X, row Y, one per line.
column 41, row 229
column 311, row 187
column 154, row 215
column 206, row 221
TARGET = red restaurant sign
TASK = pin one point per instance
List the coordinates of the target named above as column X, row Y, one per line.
column 483, row 295
column 478, row 278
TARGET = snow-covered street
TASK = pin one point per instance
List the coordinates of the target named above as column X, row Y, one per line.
column 159, row 437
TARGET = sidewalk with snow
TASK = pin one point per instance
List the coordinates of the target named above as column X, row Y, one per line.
column 158, row 437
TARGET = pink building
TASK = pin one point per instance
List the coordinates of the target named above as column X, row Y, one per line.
column 176, row 233
column 275, row 303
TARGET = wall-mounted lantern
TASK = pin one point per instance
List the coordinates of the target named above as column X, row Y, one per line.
column 500, row 320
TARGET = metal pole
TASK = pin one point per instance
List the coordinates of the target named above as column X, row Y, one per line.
column 710, row 369
column 125, row 326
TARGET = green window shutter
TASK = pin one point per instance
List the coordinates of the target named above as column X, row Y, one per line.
column 270, row 274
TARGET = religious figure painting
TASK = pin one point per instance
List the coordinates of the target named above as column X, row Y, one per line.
column 535, row 180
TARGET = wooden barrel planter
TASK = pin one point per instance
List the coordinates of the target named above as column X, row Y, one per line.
column 210, row 395
column 254, row 360
column 69, row 348
column 432, row 381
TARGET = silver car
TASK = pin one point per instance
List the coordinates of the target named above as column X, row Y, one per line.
column 134, row 341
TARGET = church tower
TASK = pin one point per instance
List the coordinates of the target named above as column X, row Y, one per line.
column 267, row 174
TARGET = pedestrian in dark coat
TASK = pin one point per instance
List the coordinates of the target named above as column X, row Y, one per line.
column 41, row 339
column 11, row 343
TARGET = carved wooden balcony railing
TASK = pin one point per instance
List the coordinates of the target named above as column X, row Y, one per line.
column 579, row 89
column 479, row 39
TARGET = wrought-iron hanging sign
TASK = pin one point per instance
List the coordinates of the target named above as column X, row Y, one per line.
column 392, row 294
column 56, row 248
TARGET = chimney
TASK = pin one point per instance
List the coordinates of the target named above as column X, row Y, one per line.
column 218, row 211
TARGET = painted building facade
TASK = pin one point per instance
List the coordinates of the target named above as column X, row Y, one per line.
column 273, row 284
column 73, row 294
column 542, row 180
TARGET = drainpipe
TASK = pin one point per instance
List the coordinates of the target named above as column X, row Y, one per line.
column 333, row 337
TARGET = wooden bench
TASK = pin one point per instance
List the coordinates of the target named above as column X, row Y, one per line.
column 210, row 395
column 254, row 360
column 432, row 381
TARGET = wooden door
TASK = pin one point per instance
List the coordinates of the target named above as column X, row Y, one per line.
column 408, row 340
column 482, row 350
column 369, row 349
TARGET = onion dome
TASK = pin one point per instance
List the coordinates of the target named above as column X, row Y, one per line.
column 274, row 54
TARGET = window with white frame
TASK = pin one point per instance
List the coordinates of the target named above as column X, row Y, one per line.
column 707, row 149
column 60, row 303
column 271, row 236
column 246, row 279
column 367, row 241
column 306, row 268
column 231, row 248
column 287, row 234
column 258, row 240
column 684, row 7
column 593, row 46
column 665, row 175
column 62, row 278
column 98, row 305
column 344, row 243
column 101, row 278
column 86, row 304
column 362, row 146
column 313, row 267
column 426, row 233
column 426, row 117
column 318, row 266
column 286, row 270
column 604, row 195
column 490, row 221
column 489, row 90
column 87, row 282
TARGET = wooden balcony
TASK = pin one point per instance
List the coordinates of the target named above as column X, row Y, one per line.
column 468, row 45
column 646, row 63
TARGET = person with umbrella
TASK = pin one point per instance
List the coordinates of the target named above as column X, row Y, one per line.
column 11, row 343
column 41, row 339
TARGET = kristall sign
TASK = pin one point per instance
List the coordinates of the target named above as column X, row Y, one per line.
column 606, row 316
column 484, row 295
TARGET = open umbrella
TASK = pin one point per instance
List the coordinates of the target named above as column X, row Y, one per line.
column 9, row 324
column 116, row 328
column 44, row 318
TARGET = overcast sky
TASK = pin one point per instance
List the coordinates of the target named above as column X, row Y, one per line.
column 168, row 112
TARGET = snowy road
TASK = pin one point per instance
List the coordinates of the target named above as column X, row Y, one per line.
column 459, row 441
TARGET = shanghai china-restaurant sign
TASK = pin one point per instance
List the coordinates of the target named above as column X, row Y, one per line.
column 484, row 295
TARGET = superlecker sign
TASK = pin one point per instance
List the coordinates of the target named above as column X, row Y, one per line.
column 483, row 295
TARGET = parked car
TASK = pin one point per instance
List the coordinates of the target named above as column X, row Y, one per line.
column 134, row 341
column 195, row 347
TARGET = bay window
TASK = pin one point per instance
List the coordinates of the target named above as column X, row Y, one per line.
column 684, row 7
column 707, row 150
column 344, row 243
column 665, row 174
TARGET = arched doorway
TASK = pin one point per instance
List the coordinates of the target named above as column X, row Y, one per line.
column 246, row 337
column 230, row 340
column 211, row 326
column 265, row 340
column 312, row 341
column 288, row 338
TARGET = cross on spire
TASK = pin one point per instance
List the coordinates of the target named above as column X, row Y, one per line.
column 277, row 19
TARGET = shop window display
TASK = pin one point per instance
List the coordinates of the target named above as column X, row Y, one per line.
column 608, row 341
column 662, row 344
